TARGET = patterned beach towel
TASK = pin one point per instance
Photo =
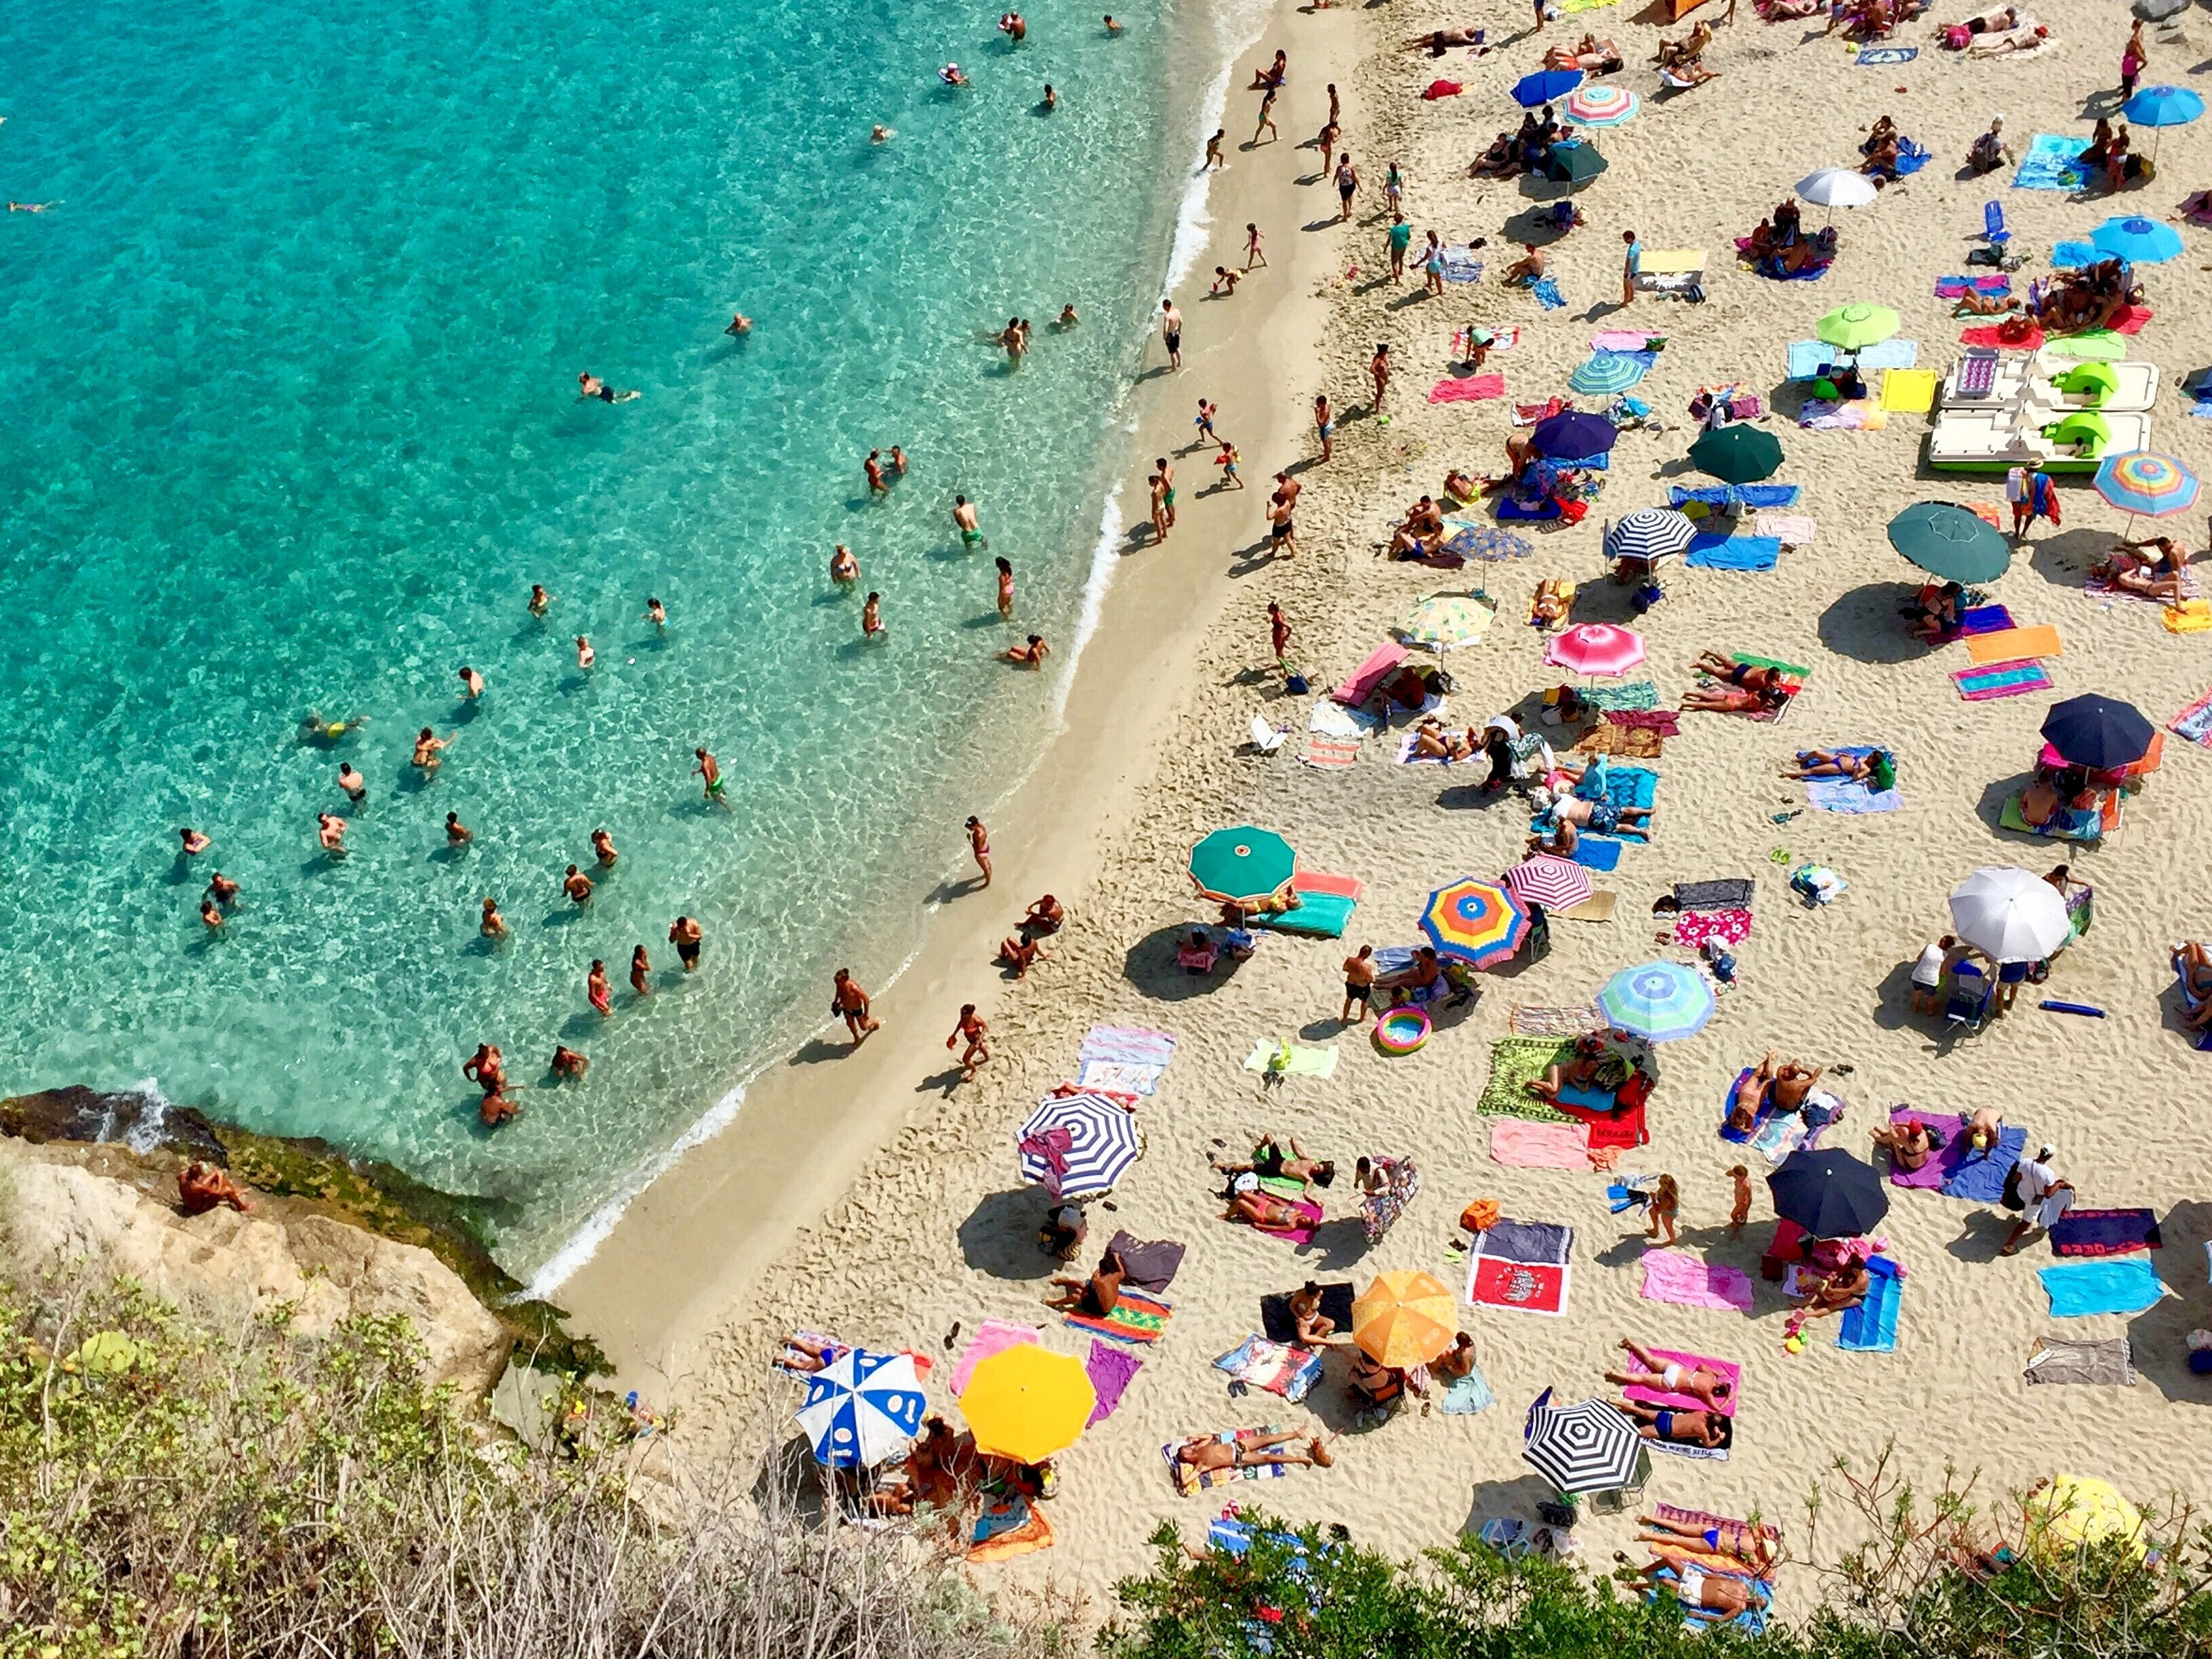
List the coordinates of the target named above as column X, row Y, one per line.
column 2052, row 162
column 2195, row 722
column 1138, row 1316
column 1522, row 1266
column 2106, row 1232
column 2110, row 1362
column 2000, row 679
column 1190, row 1482
column 1516, row 1061
column 1278, row 1367
column 1727, row 893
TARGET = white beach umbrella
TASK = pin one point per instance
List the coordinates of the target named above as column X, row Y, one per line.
column 1835, row 188
column 2010, row 914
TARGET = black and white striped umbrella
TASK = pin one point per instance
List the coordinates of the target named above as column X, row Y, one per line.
column 1590, row 1447
column 1076, row 1145
column 1649, row 534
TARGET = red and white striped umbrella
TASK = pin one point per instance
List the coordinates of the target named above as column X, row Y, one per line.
column 1596, row 649
column 1556, row 883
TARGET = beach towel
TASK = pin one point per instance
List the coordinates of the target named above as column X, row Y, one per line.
column 2014, row 645
column 2004, row 337
column 2073, row 256
column 1307, row 882
column 1331, row 754
column 1136, row 1045
column 1532, row 1021
column 1475, row 389
column 1463, row 1396
column 1522, row 1266
column 1268, row 1055
column 1863, row 416
column 1806, row 360
column 832, row 1350
column 1279, row 1367
column 1727, row 1370
column 1743, row 1137
column 2195, row 722
column 992, row 1336
column 1329, row 719
column 2069, row 825
column 1547, row 294
column 1111, row 1370
column 1516, row 1061
column 1521, row 1144
column 1190, row 1482
column 2123, row 1284
column 1908, row 390
column 1364, row 679
column 1995, row 284
column 2000, row 679
column 1871, row 1327
column 1985, row 619
column 1725, row 893
column 2105, row 1233
column 1881, row 57
column 1278, row 1325
column 1693, row 927
column 1529, row 414
column 1626, row 339
column 1778, row 1134
column 2051, row 163
column 1630, row 695
column 1750, row 495
column 1629, row 742
column 1611, row 1128
column 1302, row 1233
column 1007, row 1526
column 1460, row 264
column 2053, row 1359
column 1949, row 1127
column 1597, row 852
column 1679, row 1278
column 1151, row 1263
column 1790, row 529
column 1850, row 795
column 1707, row 551
column 2102, row 587
column 1138, row 1316
column 1894, row 353
column 2190, row 616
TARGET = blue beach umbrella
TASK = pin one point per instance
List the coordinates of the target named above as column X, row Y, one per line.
column 2163, row 107
column 1545, row 86
column 861, row 1408
column 2139, row 241
column 1658, row 1001
column 1608, row 373
column 1573, row 435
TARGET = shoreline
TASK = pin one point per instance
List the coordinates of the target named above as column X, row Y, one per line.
column 718, row 1201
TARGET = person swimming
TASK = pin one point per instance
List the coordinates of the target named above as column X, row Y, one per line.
column 590, row 386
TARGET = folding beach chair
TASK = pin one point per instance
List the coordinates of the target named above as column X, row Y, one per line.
column 1971, row 992
column 1993, row 225
column 1267, row 739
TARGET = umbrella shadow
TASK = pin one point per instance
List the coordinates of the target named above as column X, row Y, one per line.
column 1864, row 625
column 1892, row 1009
column 2158, row 1337
column 791, row 1482
column 2063, row 559
column 1498, row 1499
column 1990, row 808
column 999, row 1237
column 1151, row 967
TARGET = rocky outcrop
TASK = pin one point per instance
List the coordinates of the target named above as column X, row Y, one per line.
column 116, row 1209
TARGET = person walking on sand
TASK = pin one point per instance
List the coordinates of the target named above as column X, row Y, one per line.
column 978, row 843
column 1432, row 267
column 1266, row 117
column 850, row 1003
column 1252, row 253
column 1666, row 1204
column 1282, row 537
column 685, row 935
column 1006, row 588
column 1214, row 158
column 1401, row 237
column 1740, row 1213
column 1171, row 333
column 1325, row 141
column 972, row 1029
column 1279, row 633
column 709, row 773
column 1631, row 264
column 1347, row 185
column 1358, row 986
column 1225, row 459
column 1324, row 424
column 1378, row 370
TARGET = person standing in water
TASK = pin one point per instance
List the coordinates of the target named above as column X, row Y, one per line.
column 585, row 657
column 710, row 776
column 473, row 683
column 844, row 569
column 193, row 842
column 641, row 972
column 210, row 917
column 656, row 614
column 458, row 834
column 686, row 936
column 871, row 617
column 493, row 925
column 1171, row 333
column 330, row 830
column 430, row 751
column 1005, row 589
column 223, row 889
column 1214, row 158
column 873, row 466
column 540, row 601
column 603, row 849
column 596, row 988
column 965, row 519
column 351, row 780
column 577, row 886
column 978, row 843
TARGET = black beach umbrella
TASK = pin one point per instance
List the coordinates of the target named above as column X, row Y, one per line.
column 2100, row 732
column 1831, row 1195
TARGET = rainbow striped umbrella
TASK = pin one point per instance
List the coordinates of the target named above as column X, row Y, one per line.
column 1592, row 105
column 1596, row 648
column 2155, row 486
column 1542, row 879
column 1477, row 921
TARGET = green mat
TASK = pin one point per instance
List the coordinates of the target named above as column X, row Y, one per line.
column 1801, row 672
column 1283, row 1187
column 1636, row 694
column 1516, row 1061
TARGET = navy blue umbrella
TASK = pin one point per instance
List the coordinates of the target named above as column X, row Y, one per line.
column 1571, row 436
column 1831, row 1195
column 2102, row 733
column 1545, row 86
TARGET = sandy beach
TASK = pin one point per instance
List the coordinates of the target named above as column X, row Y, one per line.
column 875, row 1196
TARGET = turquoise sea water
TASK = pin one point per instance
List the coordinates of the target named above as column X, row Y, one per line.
column 292, row 423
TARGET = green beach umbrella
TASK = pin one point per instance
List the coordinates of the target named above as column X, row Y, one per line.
column 1737, row 454
column 1573, row 164
column 1244, row 866
column 1949, row 542
column 1854, row 328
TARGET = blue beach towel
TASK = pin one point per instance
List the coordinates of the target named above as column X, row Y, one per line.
column 2124, row 1285
column 2201, row 408
column 1980, row 1177
column 2051, row 164
column 1597, row 1100
column 1891, row 354
column 2073, row 256
column 1911, row 156
column 1876, row 56
column 1847, row 795
column 1807, row 358
column 1597, row 853
column 1711, row 552
column 1547, row 294
column 1743, row 1137
column 1465, row 1395
column 1758, row 495
column 1871, row 1327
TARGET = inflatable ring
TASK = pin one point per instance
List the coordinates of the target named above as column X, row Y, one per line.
column 1401, row 1030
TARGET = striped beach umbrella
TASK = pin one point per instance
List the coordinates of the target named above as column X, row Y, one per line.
column 1244, row 866
column 1595, row 105
column 1607, row 372
column 2154, row 486
column 1405, row 1318
column 861, row 1408
column 1543, row 878
column 1478, row 922
column 1076, row 1145
column 1027, row 1402
column 1590, row 1447
column 1596, row 648
column 1658, row 1001
column 1649, row 534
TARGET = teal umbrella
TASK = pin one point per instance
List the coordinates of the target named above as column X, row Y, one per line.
column 1244, row 866
column 1737, row 454
column 1949, row 542
column 1658, row 1001
column 1573, row 164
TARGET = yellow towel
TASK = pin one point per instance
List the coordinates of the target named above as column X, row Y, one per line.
column 1671, row 262
column 2190, row 616
column 1909, row 391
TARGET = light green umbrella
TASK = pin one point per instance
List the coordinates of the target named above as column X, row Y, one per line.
column 1856, row 327
column 1444, row 621
column 1244, row 866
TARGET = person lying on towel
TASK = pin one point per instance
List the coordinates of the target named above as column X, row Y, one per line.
column 1707, row 1428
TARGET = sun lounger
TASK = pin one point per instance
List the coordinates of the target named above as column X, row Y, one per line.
column 1267, row 739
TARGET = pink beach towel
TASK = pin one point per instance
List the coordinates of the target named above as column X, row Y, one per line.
column 1110, row 1370
column 1521, row 1144
column 1300, row 1235
column 1731, row 926
column 1678, row 1276
column 1369, row 674
column 992, row 1336
column 1726, row 1370
column 1477, row 388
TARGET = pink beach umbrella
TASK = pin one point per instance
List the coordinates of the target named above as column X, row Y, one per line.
column 1555, row 884
column 1596, row 648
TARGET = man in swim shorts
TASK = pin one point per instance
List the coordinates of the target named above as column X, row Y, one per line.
column 685, row 935
column 710, row 774
column 971, row 532
column 1171, row 333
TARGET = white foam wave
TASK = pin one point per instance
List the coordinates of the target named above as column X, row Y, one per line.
column 146, row 1133
column 1105, row 553
column 1235, row 30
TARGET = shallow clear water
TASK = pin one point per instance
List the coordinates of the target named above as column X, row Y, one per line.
column 290, row 377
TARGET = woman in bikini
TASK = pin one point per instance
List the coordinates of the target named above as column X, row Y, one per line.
column 1699, row 1383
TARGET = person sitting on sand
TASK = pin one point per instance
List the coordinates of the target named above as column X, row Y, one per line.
column 1527, row 270
column 1501, row 160
column 1268, row 1160
column 1707, row 1597
column 1017, row 952
column 1202, row 1453
column 1698, row 1382
column 1990, row 151
column 1420, row 980
column 1311, row 1324
column 1097, row 1296
column 1708, row 1429
column 1061, row 1236
column 1432, row 742
column 2194, row 965
column 1842, row 1287
column 1374, row 1384
column 1557, row 837
column 1910, row 1143
column 2131, row 573
column 1044, row 917
column 201, row 1187
column 1459, row 487
column 1197, row 954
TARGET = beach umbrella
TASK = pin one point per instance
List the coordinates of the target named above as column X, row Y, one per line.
column 1595, row 106
column 1591, row 1447
column 1737, row 454
column 1596, row 648
column 1479, row 922
column 1573, row 163
column 1831, row 1195
column 2010, row 914
column 1027, row 1402
column 1574, row 435
column 2100, row 732
column 1607, row 372
column 1835, row 188
column 1443, row 621
column 1472, row 539
column 2163, row 107
column 1545, row 86
column 1949, row 542
column 2072, row 1513
column 1545, row 879
column 861, row 1408
column 1649, row 534
column 1658, row 1001
column 1076, row 1145
column 1405, row 1318
column 2138, row 241
column 1243, row 867
column 1855, row 327
column 2152, row 486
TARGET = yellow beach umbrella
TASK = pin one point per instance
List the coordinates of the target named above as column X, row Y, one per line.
column 2069, row 1512
column 1405, row 1318
column 1027, row 1402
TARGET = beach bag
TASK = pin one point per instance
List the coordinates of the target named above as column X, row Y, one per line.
column 2010, row 1197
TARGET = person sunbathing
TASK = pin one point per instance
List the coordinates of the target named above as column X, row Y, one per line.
column 1529, row 269
column 1733, row 671
column 1017, row 952
column 1792, row 1082
column 1435, row 42
column 1689, row 72
column 1432, row 742
column 1708, row 1429
column 1605, row 818
column 1095, row 1296
column 1263, row 1209
column 1836, row 763
column 1456, row 1361
column 2193, row 963
column 807, row 1354
column 1589, row 54
column 202, row 1187
column 2171, row 556
column 1307, row 1319
column 1594, row 1067
column 1459, row 487
column 1734, row 699
column 1203, row 1452
column 2133, row 573
column 1910, row 1143
column 1707, row 1596
column 1268, row 1160
column 1550, row 603
column 1756, row 1547
column 1973, row 303
column 1699, row 1383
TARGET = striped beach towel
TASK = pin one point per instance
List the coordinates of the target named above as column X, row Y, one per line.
column 1138, row 1316
column 1190, row 1482
column 2000, row 679
column 1330, row 753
